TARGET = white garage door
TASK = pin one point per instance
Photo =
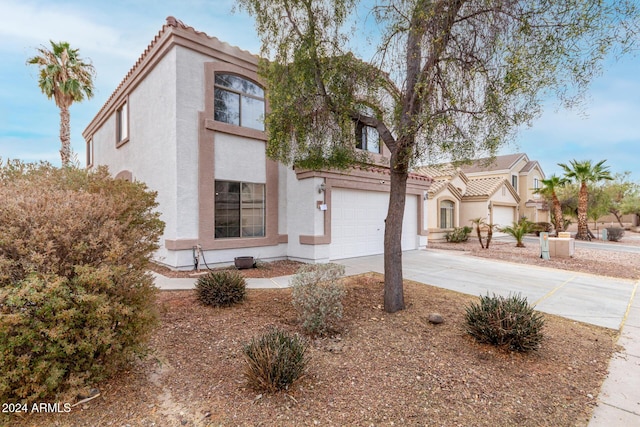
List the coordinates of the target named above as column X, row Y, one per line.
column 503, row 215
column 357, row 223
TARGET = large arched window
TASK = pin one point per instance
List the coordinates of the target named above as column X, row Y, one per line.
column 446, row 214
column 238, row 101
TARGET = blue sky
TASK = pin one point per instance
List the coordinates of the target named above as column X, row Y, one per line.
column 113, row 35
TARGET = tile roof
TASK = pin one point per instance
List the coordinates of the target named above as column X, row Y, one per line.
column 496, row 163
column 483, row 186
column 437, row 171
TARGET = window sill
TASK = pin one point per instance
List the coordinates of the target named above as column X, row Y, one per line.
column 121, row 143
column 217, row 126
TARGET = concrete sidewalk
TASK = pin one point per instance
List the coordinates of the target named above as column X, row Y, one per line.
column 602, row 301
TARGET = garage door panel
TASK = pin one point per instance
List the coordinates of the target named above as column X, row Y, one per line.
column 503, row 215
column 357, row 223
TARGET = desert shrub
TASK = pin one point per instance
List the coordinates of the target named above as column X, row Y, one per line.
column 541, row 227
column 614, row 234
column 76, row 300
column 459, row 234
column 506, row 322
column 275, row 360
column 221, row 288
column 317, row 297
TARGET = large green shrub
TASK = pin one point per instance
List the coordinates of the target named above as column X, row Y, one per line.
column 506, row 322
column 76, row 300
column 221, row 288
column 275, row 361
column 317, row 297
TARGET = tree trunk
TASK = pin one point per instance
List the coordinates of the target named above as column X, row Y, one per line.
column 65, row 136
column 583, row 233
column 618, row 215
column 557, row 212
column 393, row 282
column 489, row 235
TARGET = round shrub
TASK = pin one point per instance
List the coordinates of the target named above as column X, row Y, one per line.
column 506, row 322
column 275, row 361
column 221, row 288
column 317, row 297
column 76, row 301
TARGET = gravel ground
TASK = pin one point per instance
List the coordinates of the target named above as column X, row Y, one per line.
column 611, row 262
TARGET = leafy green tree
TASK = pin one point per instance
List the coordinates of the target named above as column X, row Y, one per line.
column 66, row 78
column 549, row 191
column 453, row 78
column 619, row 195
column 583, row 173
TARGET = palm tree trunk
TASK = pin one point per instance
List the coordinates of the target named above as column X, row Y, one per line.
column 65, row 136
column 558, row 213
column 583, row 233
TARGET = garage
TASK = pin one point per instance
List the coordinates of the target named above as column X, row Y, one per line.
column 503, row 215
column 357, row 223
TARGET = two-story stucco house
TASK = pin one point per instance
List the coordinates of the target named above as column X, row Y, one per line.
column 187, row 120
column 499, row 190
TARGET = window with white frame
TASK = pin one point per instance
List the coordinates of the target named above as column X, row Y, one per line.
column 536, row 183
column 238, row 101
column 514, row 181
column 122, row 124
column 447, row 208
column 239, row 209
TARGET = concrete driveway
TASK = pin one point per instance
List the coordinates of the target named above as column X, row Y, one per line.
column 587, row 298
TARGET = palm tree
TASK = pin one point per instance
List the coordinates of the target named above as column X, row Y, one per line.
column 583, row 173
column 67, row 78
column 548, row 190
column 518, row 230
column 481, row 223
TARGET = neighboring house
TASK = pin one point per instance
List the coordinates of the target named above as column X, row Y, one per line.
column 188, row 121
column 499, row 190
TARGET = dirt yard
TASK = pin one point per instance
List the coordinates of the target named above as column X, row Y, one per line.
column 382, row 370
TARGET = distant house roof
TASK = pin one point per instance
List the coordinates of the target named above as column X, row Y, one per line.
column 497, row 163
column 483, row 186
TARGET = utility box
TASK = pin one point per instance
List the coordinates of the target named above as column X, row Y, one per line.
column 561, row 247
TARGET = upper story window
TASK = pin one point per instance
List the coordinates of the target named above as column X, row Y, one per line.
column 514, row 181
column 238, row 101
column 367, row 138
column 122, row 124
column 536, row 183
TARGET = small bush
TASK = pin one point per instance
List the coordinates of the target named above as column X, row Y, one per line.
column 614, row 234
column 317, row 296
column 542, row 227
column 76, row 301
column 505, row 322
column 459, row 234
column 221, row 288
column 275, row 361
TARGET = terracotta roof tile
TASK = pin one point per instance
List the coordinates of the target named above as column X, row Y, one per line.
column 483, row 186
column 492, row 164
